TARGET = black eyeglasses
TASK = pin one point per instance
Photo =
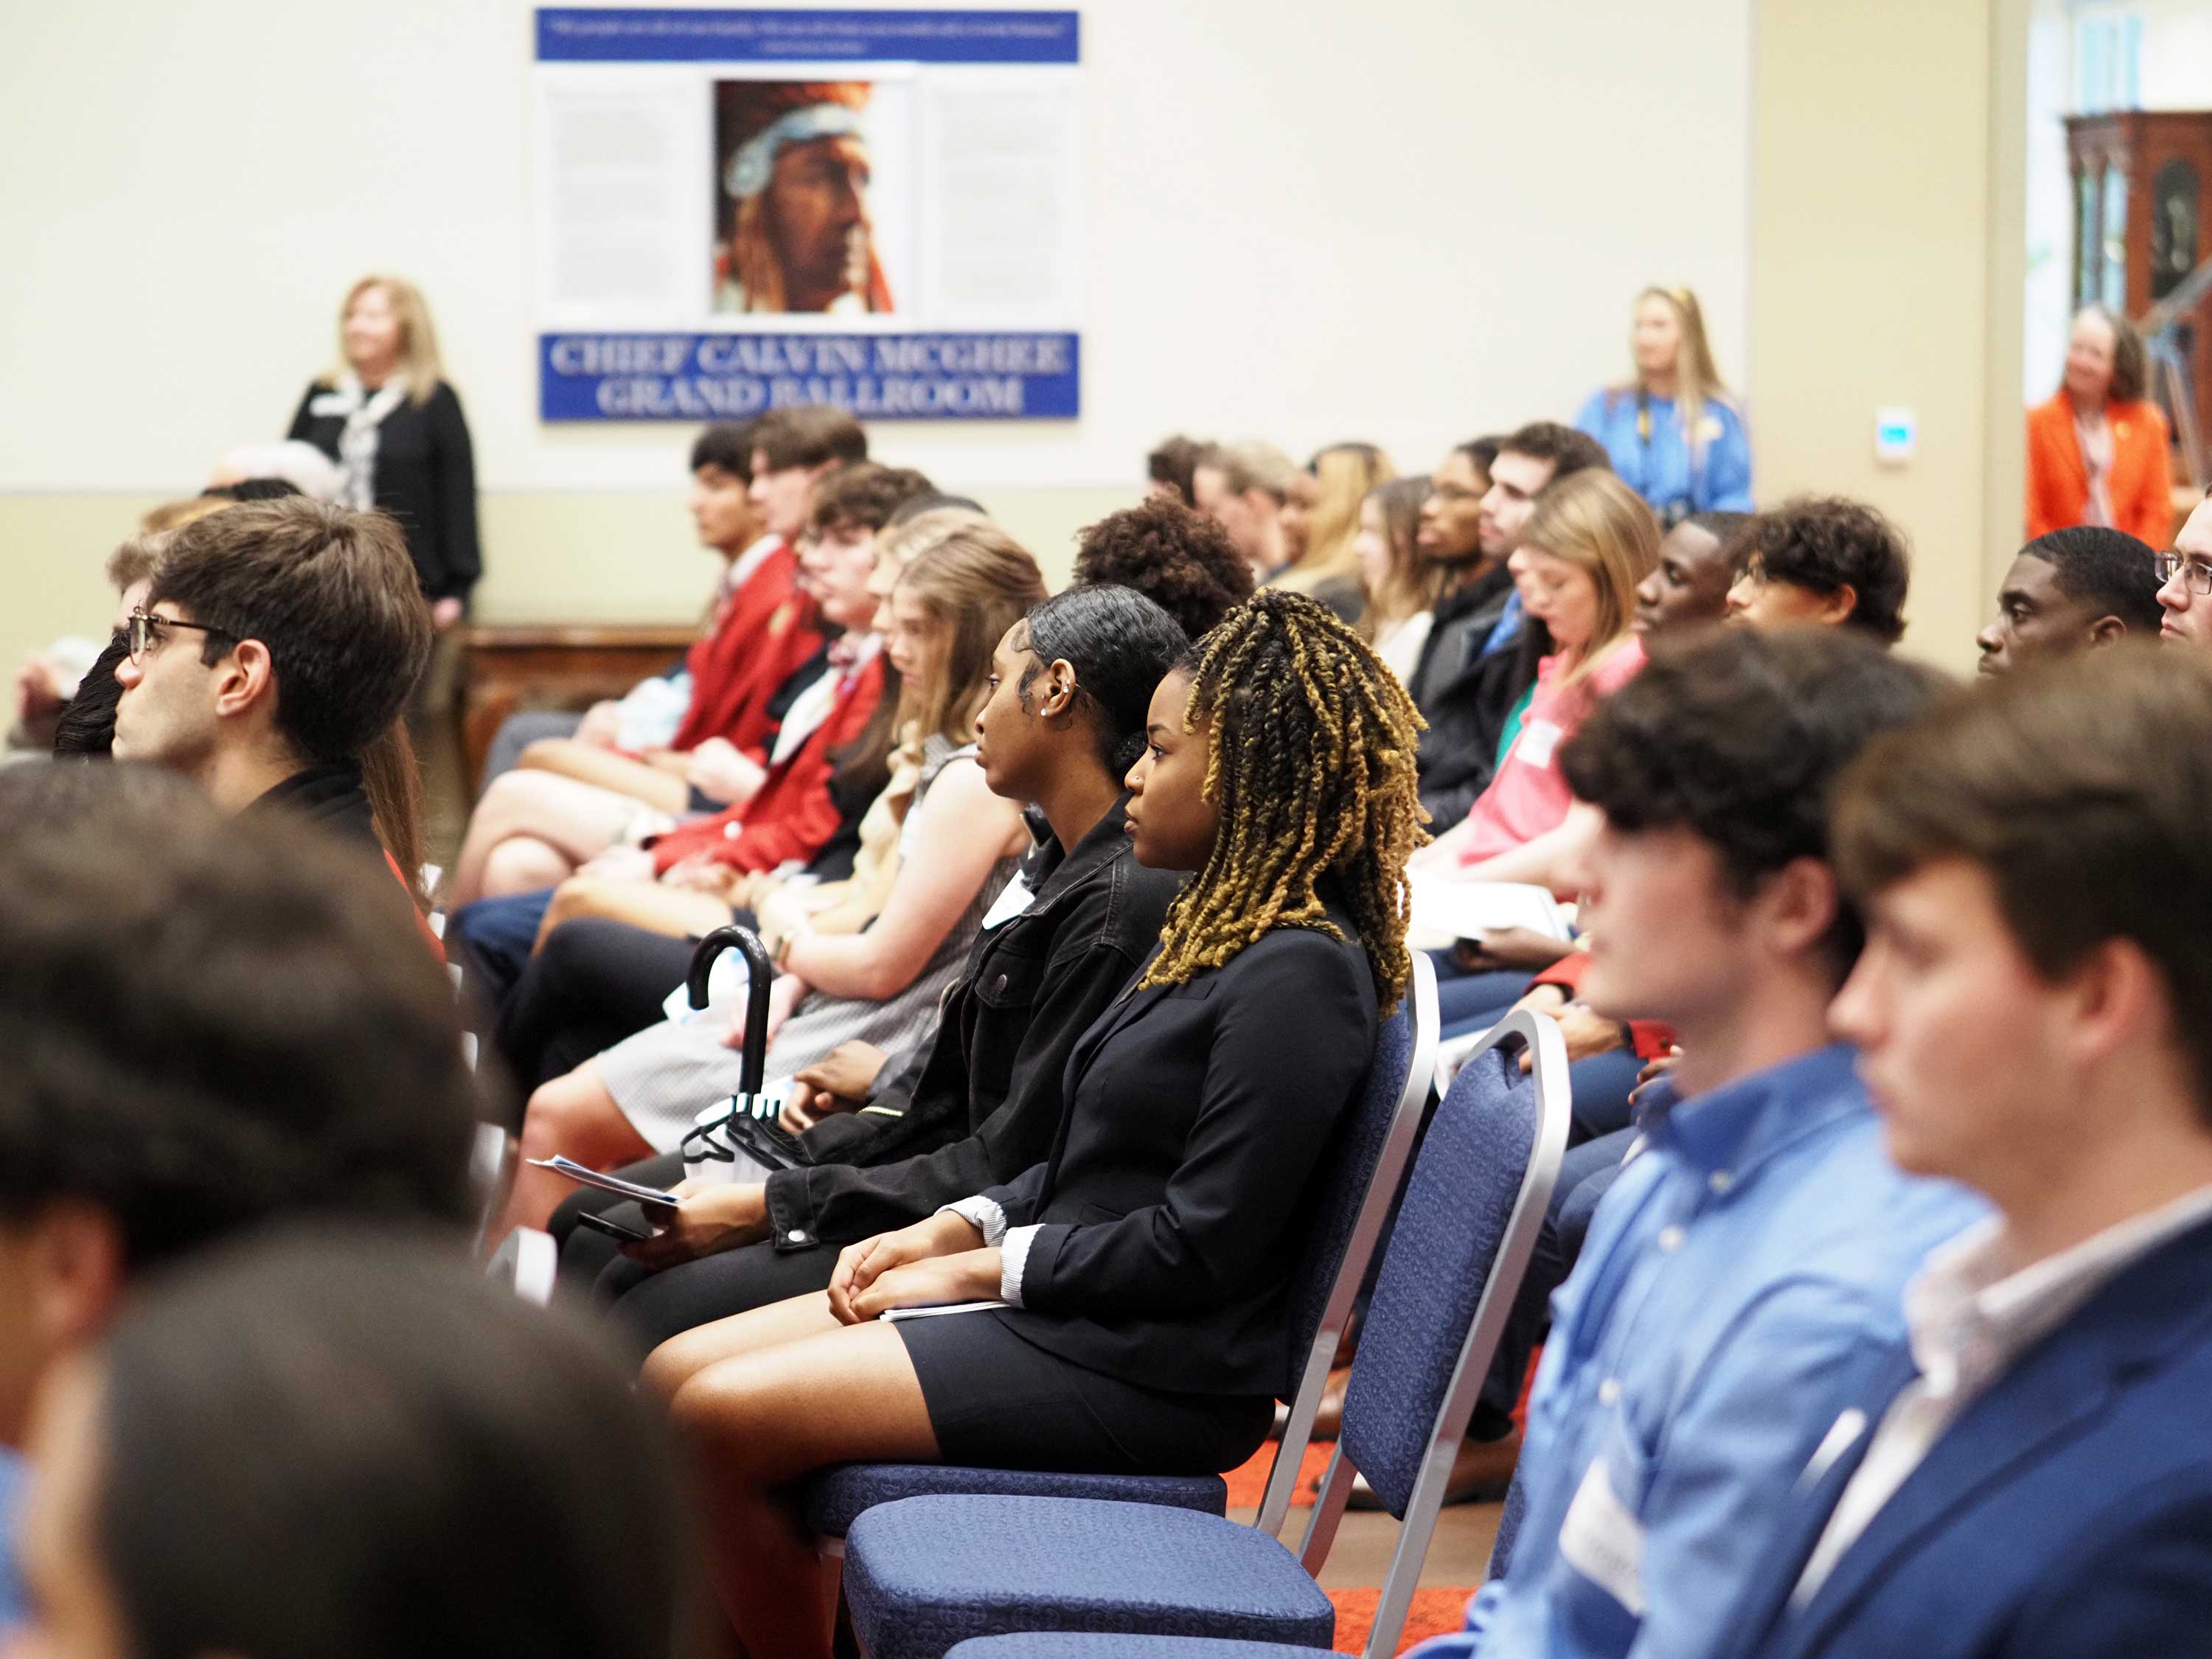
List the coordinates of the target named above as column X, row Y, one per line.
column 2195, row 574
column 146, row 630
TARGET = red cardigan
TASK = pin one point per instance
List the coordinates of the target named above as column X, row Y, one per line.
column 760, row 636
column 793, row 816
column 2140, row 483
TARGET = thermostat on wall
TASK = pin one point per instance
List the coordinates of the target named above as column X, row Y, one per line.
column 1895, row 435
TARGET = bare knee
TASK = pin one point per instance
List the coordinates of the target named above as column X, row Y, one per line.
column 728, row 1407
column 564, row 1112
column 523, row 864
column 669, row 1367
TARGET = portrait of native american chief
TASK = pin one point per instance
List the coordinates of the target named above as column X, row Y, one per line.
column 794, row 232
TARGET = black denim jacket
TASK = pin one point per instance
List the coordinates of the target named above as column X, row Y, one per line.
column 979, row 1102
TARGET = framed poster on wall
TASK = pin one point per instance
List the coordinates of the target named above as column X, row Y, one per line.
column 739, row 210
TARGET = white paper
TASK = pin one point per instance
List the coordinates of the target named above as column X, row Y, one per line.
column 1444, row 910
column 892, row 1315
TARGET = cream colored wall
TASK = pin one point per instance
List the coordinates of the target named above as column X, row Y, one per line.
column 1886, row 255
column 1301, row 220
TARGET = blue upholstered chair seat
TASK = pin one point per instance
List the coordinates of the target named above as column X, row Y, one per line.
column 1062, row 1644
column 925, row 1573
column 834, row 1499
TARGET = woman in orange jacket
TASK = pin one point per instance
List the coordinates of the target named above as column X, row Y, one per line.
column 2097, row 452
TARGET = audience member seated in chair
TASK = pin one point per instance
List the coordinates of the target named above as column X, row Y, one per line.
column 1823, row 561
column 833, row 734
column 208, row 1023
column 537, row 824
column 1182, row 560
column 278, row 641
column 321, row 1444
column 643, row 723
column 2069, row 591
column 979, row 1103
column 1760, row 1239
column 1144, row 1267
column 960, row 842
column 2027, row 1470
column 1587, row 547
column 1471, row 671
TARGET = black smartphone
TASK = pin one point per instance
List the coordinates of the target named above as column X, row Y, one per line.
column 612, row 1227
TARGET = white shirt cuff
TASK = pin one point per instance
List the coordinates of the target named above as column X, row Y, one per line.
column 1013, row 1256
column 981, row 1213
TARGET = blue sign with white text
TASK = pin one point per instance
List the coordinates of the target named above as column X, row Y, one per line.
column 602, row 34
column 585, row 376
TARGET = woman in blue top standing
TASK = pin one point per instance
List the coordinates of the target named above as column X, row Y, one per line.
column 1672, row 433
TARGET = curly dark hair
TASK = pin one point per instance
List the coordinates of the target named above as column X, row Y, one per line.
column 210, row 1023
column 864, row 493
column 1824, row 543
column 1740, row 737
column 1310, row 762
column 1182, row 560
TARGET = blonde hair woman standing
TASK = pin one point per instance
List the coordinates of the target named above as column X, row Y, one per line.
column 1672, row 431
column 387, row 416
column 1591, row 541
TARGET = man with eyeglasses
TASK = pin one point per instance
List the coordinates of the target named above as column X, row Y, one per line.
column 1470, row 674
column 278, row 641
column 2184, row 583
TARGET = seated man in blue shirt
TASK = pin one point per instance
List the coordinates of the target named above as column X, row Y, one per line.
column 2027, row 1473
column 1761, row 1237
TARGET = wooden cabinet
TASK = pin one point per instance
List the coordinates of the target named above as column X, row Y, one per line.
column 2140, row 184
column 555, row 667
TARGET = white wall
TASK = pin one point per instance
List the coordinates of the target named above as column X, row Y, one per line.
column 1407, row 222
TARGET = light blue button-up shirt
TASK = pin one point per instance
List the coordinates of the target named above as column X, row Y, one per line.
column 1761, row 1237
column 12, row 1610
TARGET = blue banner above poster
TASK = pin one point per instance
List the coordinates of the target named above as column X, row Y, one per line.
column 597, row 34
column 877, row 376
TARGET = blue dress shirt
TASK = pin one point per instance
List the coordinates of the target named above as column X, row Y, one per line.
column 12, row 1607
column 1761, row 1237
column 1644, row 439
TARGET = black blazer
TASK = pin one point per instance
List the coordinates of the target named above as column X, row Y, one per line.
column 426, row 477
column 1170, row 1206
column 979, row 1101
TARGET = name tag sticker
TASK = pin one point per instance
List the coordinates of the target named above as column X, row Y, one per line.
column 330, row 403
column 1602, row 1542
column 1537, row 743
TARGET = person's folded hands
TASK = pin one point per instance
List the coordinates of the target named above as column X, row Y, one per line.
column 858, row 1265
column 971, row 1276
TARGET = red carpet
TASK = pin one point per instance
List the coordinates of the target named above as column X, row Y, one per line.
column 1435, row 1609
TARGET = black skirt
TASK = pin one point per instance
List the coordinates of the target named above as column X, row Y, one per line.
column 998, row 1400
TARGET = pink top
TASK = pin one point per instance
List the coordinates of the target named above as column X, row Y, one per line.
column 1529, row 794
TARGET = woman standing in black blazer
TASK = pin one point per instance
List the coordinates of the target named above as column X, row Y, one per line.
column 394, row 427
column 1144, row 1265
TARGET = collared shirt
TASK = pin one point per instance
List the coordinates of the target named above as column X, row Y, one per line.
column 1968, row 1320
column 1762, row 1236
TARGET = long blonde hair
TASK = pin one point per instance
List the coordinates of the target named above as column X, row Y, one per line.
column 419, row 369
column 1697, row 378
column 1593, row 521
column 975, row 583
column 1347, row 473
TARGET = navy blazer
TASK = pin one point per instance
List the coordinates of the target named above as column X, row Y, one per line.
column 1170, row 1208
column 2065, row 1514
